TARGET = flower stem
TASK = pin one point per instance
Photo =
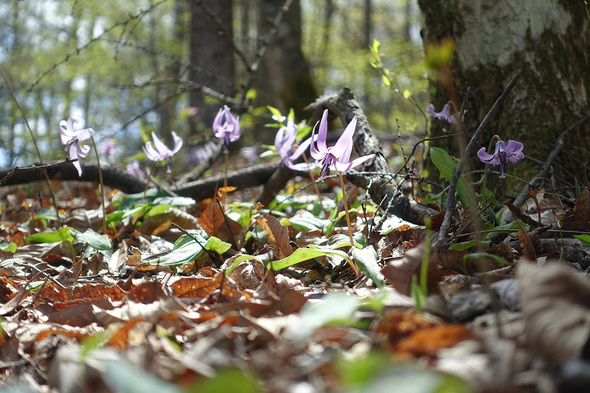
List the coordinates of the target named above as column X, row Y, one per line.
column 147, row 182
column 225, row 179
column 104, row 208
column 315, row 185
column 346, row 209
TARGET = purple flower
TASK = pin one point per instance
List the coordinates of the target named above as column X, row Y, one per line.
column 71, row 139
column 444, row 116
column 284, row 143
column 338, row 156
column 226, row 127
column 134, row 169
column 250, row 153
column 200, row 153
column 161, row 152
column 510, row 151
column 109, row 147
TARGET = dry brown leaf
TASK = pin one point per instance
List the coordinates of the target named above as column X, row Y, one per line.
column 526, row 243
column 216, row 223
column 555, row 303
column 196, row 287
column 579, row 218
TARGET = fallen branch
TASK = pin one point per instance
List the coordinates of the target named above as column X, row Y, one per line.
column 383, row 191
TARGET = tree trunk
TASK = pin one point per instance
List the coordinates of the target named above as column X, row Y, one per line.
column 284, row 79
column 492, row 39
column 212, row 57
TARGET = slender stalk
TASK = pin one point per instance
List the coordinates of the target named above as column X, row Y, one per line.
column 346, row 210
column 225, row 179
column 147, row 182
column 315, row 185
column 104, row 207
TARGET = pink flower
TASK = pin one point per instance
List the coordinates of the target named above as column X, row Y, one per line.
column 71, row 139
column 161, row 152
column 338, row 156
column 284, row 146
column 510, row 151
column 444, row 116
column 226, row 127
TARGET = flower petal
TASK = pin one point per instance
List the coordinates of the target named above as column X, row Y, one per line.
column 487, row 158
column 315, row 153
column 217, row 122
column 82, row 150
column 346, row 166
column 323, row 132
column 160, row 146
column 513, row 147
column 431, row 111
column 177, row 143
column 84, row 134
column 151, row 153
column 343, row 147
column 301, row 148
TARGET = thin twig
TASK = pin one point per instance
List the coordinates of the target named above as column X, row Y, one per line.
column 451, row 200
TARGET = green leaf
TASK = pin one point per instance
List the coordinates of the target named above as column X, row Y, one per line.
column 175, row 201
column 232, row 380
column 93, row 239
column 366, row 259
column 275, row 112
column 186, row 250
column 445, row 164
column 122, row 376
column 47, row 213
column 386, row 81
column 470, row 244
column 305, row 223
column 9, row 247
column 335, row 308
column 63, row 234
column 305, row 254
column 585, row 239
column 498, row 259
column 157, row 210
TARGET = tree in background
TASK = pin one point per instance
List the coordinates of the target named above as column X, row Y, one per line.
column 481, row 45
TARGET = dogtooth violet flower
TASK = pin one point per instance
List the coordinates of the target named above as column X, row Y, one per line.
column 443, row 116
column 71, row 139
column 336, row 157
column 510, row 151
column 161, row 151
column 284, row 146
column 226, row 127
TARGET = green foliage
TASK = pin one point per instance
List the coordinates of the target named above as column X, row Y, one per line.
column 445, row 164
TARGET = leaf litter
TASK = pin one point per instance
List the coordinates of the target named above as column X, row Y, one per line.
column 182, row 297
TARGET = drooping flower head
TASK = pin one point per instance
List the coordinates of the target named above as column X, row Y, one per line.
column 443, row 116
column 109, row 147
column 161, row 151
column 286, row 149
column 226, row 127
column 510, row 151
column 71, row 139
column 336, row 157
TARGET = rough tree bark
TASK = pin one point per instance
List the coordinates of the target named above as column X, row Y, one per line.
column 549, row 41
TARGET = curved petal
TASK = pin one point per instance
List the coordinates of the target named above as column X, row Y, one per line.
column 82, row 150
column 218, row 121
column 151, row 153
column 515, row 157
column 513, row 147
column 301, row 166
column 73, row 151
column 323, row 132
column 431, row 111
column 160, row 146
column 315, row 153
column 177, row 143
column 78, row 167
column 487, row 158
column 84, row 134
column 280, row 141
column 301, row 148
column 71, row 122
column 343, row 147
column 344, row 167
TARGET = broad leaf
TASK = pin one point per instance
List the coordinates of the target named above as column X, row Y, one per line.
column 445, row 164
column 63, row 234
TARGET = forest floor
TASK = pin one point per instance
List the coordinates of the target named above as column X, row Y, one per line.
column 186, row 296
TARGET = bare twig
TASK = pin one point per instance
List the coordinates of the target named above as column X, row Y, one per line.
column 451, row 200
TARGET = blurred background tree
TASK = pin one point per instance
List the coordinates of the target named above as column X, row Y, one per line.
column 129, row 68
